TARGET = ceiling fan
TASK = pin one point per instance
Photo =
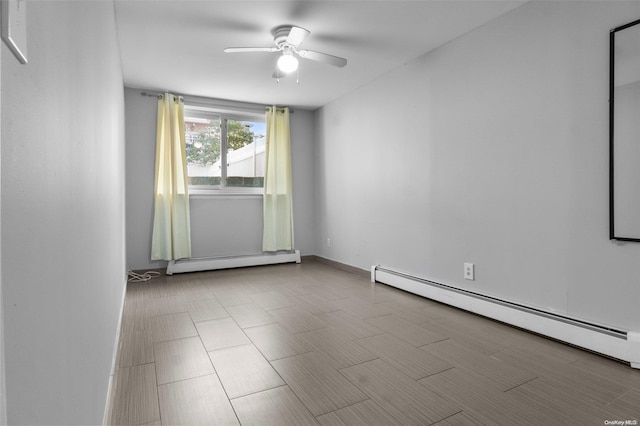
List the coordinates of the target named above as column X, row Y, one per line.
column 287, row 39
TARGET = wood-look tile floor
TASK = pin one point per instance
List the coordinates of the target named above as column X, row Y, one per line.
column 311, row 344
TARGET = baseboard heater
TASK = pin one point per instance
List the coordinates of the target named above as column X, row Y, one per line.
column 213, row 263
column 619, row 344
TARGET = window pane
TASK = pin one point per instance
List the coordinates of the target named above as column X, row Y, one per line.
column 245, row 153
column 203, row 150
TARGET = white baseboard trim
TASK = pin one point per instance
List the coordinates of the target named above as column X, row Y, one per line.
column 213, row 263
column 114, row 359
column 634, row 348
column 622, row 345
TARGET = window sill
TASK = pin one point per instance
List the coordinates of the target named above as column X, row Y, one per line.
column 227, row 192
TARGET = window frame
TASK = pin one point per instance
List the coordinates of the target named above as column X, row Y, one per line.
column 191, row 110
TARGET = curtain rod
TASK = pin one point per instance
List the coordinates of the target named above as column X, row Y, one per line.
column 203, row 101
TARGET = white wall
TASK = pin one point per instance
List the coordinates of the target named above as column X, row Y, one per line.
column 220, row 225
column 626, row 155
column 62, row 172
column 508, row 126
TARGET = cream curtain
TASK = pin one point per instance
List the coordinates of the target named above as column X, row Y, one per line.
column 171, row 227
column 278, row 194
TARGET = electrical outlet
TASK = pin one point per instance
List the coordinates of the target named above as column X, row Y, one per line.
column 469, row 273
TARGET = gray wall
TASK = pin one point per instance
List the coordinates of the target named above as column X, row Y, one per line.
column 492, row 149
column 3, row 389
column 63, row 223
column 220, row 225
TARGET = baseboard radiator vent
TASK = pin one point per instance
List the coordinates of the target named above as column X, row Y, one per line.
column 619, row 344
column 213, row 263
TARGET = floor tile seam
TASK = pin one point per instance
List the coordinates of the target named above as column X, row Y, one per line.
column 187, row 379
column 494, row 388
column 599, row 376
column 407, row 341
column 433, row 374
column 284, row 384
column 184, row 338
column 157, row 389
column 205, row 349
column 131, row 366
column 207, row 319
column 364, row 362
column 304, row 331
column 241, row 329
column 328, row 365
column 521, row 384
column 276, row 308
column 425, row 348
column 205, row 375
column 472, row 410
column 258, row 325
column 542, row 373
column 497, row 386
column 355, row 403
column 530, row 399
column 621, row 396
column 173, row 340
column 120, row 367
column 230, row 347
column 178, row 338
column 440, row 394
column 223, row 390
column 199, row 299
column 519, row 350
column 261, row 352
column 366, row 318
column 191, row 314
column 285, row 357
column 236, row 346
column 417, row 380
column 327, row 312
column 452, row 415
column 213, row 319
column 340, row 335
column 331, row 300
column 151, row 317
column 588, row 395
column 236, row 304
column 446, row 398
column 392, row 335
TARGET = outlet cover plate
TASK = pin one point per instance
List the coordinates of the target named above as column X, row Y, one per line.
column 469, row 271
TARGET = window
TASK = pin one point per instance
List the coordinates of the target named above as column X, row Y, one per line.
column 224, row 151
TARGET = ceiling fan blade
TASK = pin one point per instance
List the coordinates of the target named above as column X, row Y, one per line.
column 296, row 36
column 250, row 49
column 336, row 61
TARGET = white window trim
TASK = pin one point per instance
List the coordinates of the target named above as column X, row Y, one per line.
column 204, row 191
column 224, row 115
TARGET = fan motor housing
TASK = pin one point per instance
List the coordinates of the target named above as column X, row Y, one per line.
column 280, row 34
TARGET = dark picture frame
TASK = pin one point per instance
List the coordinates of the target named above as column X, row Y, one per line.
column 619, row 179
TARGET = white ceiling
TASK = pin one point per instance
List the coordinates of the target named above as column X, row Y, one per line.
column 177, row 45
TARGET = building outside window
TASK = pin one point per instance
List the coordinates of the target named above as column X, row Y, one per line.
column 225, row 152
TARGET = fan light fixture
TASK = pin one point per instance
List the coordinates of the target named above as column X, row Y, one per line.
column 287, row 63
column 287, row 39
